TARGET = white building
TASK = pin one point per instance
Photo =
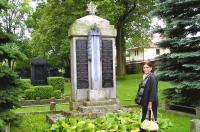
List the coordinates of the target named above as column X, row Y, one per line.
column 141, row 54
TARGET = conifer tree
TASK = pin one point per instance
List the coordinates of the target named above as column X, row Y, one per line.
column 182, row 65
column 9, row 85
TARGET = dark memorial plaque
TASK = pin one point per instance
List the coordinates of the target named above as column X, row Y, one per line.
column 82, row 64
column 39, row 72
column 107, row 64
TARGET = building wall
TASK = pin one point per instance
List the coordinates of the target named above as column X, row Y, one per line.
column 150, row 53
column 146, row 54
column 137, row 55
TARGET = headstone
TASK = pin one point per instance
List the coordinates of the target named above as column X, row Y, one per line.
column 24, row 73
column 39, row 71
column 93, row 54
column 195, row 125
column 52, row 106
column 54, row 72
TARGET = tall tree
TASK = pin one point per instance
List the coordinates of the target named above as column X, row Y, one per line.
column 50, row 23
column 182, row 65
column 13, row 19
column 9, row 85
column 13, row 22
column 131, row 20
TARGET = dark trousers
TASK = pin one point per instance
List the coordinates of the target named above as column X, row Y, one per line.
column 144, row 112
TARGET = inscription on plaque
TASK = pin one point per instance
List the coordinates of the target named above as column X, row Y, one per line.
column 82, row 64
column 107, row 64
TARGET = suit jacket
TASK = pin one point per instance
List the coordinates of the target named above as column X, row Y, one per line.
column 150, row 91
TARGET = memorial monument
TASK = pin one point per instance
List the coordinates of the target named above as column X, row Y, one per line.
column 93, row 55
column 93, row 76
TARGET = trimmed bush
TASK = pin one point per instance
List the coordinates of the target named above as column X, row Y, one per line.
column 57, row 83
column 29, row 93
column 25, row 83
column 44, row 92
column 56, row 94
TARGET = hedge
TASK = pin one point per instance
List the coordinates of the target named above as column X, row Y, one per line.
column 29, row 93
column 57, row 83
column 26, row 83
column 44, row 92
column 56, row 94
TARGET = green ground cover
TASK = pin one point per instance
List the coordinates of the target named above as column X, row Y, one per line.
column 126, row 89
column 32, row 123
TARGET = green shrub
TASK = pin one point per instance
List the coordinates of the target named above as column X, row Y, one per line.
column 9, row 117
column 44, row 92
column 57, row 83
column 25, row 83
column 29, row 93
column 56, row 94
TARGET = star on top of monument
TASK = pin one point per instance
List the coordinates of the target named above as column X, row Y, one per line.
column 92, row 8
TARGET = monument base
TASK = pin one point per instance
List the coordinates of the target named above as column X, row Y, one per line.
column 96, row 95
column 93, row 108
column 74, row 105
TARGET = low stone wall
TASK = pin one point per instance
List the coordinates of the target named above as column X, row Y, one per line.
column 39, row 101
column 41, row 112
column 166, row 106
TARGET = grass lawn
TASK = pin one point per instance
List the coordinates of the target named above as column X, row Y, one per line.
column 32, row 123
column 126, row 89
column 180, row 123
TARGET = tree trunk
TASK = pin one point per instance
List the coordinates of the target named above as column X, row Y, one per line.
column 120, row 53
column 120, row 40
column 10, row 63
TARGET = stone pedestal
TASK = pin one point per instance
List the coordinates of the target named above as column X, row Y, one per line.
column 94, row 109
column 195, row 125
column 198, row 112
column 53, row 106
column 96, row 95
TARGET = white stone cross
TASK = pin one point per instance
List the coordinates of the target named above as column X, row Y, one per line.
column 92, row 8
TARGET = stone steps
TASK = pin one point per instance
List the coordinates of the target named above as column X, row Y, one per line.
column 52, row 118
column 99, row 103
column 102, row 108
column 91, row 109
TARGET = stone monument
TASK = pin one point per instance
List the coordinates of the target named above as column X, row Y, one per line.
column 93, row 54
column 39, row 71
column 93, row 77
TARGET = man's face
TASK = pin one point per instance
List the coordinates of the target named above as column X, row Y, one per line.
column 147, row 69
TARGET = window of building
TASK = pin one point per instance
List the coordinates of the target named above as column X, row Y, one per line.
column 157, row 51
column 136, row 52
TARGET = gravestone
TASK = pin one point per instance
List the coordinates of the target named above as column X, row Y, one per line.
column 39, row 71
column 93, row 54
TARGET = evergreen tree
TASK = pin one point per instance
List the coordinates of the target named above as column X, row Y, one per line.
column 9, row 85
column 182, row 65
